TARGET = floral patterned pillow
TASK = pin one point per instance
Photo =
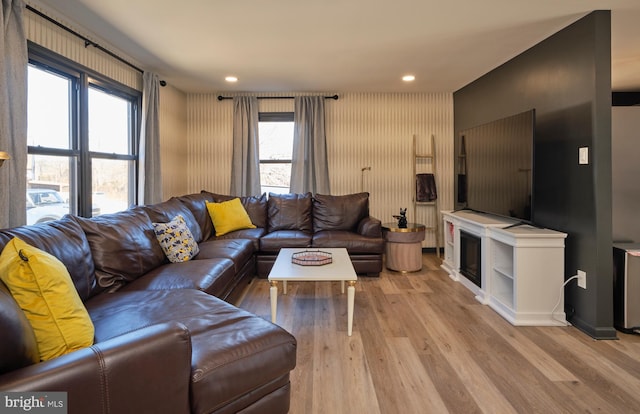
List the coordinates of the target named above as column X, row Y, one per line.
column 176, row 240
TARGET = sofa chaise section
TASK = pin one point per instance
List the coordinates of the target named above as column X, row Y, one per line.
column 237, row 358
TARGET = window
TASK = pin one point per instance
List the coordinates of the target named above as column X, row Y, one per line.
column 276, row 148
column 82, row 139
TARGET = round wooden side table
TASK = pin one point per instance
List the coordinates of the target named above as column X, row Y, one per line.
column 403, row 247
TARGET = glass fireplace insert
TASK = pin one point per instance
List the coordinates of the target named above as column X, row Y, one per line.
column 471, row 257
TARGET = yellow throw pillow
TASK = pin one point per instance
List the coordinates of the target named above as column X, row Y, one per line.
column 229, row 216
column 42, row 287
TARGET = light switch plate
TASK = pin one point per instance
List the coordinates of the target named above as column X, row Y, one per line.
column 583, row 155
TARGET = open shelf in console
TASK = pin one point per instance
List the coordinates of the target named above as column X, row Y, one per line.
column 502, row 273
column 503, row 259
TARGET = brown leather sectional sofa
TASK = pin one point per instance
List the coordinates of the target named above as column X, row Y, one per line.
column 167, row 339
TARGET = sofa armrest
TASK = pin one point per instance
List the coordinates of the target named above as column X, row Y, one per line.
column 147, row 370
column 370, row 227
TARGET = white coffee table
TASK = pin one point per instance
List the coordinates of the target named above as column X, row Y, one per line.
column 340, row 270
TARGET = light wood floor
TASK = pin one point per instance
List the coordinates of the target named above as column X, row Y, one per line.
column 422, row 344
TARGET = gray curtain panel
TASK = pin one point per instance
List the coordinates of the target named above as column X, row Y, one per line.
column 13, row 114
column 245, row 164
column 150, row 180
column 309, row 164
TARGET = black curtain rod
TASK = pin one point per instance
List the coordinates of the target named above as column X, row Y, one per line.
column 222, row 98
column 87, row 42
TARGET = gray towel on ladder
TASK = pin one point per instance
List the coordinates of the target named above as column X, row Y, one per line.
column 426, row 187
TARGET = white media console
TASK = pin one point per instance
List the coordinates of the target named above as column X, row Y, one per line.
column 521, row 266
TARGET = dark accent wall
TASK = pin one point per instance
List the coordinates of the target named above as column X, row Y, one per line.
column 567, row 80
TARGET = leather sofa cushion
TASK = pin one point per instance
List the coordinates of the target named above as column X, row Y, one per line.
column 240, row 251
column 354, row 243
column 289, row 212
column 65, row 240
column 249, row 234
column 124, row 246
column 18, row 347
column 339, row 212
column 234, row 351
column 213, row 276
column 196, row 203
column 168, row 210
column 274, row 241
column 256, row 206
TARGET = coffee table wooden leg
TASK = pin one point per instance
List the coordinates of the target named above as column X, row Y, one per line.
column 273, row 293
column 351, row 294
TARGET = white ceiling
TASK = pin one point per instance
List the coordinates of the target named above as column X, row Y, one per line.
column 338, row 45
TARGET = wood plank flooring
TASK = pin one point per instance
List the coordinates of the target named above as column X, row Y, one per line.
column 421, row 343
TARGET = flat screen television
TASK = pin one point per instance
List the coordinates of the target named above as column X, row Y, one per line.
column 495, row 167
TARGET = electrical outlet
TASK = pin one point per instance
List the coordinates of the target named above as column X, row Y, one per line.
column 582, row 279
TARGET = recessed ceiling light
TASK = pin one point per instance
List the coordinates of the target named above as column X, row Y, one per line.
column 408, row 78
column 231, row 79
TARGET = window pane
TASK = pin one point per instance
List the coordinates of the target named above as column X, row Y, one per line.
column 276, row 143
column 48, row 103
column 275, row 178
column 276, row 140
column 83, row 133
column 48, row 183
column 109, row 130
column 112, row 185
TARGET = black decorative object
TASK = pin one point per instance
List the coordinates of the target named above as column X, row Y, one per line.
column 402, row 218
